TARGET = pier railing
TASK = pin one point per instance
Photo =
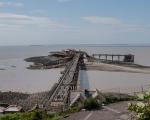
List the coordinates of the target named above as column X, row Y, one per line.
column 59, row 99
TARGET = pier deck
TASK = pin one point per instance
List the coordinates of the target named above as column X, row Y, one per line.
column 59, row 100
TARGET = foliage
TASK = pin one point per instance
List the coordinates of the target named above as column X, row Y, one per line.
column 116, row 97
column 91, row 103
column 36, row 115
column 70, row 111
column 39, row 115
column 142, row 108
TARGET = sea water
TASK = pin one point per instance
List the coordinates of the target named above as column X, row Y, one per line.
column 14, row 76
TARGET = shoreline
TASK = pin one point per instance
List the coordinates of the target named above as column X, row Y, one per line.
column 28, row 101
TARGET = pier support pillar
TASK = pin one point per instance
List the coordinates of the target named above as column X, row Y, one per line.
column 119, row 58
column 99, row 57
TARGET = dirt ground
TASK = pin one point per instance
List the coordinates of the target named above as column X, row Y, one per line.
column 116, row 68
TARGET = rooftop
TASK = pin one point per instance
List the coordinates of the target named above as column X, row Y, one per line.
column 13, row 108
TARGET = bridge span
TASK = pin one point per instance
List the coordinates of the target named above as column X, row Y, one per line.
column 59, row 100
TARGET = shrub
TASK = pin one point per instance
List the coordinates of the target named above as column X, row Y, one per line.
column 142, row 108
column 91, row 103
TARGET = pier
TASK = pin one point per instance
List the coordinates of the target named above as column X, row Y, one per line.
column 129, row 58
column 59, row 99
column 67, row 92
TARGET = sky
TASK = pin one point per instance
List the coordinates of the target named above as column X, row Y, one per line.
column 46, row 22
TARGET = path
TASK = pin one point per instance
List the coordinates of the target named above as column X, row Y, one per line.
column 116, row 111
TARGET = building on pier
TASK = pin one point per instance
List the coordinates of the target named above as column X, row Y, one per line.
column 128, row 58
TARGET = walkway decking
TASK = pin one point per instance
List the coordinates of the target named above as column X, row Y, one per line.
column 59, row 100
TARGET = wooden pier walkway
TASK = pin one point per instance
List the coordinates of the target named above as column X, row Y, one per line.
column 59, row 100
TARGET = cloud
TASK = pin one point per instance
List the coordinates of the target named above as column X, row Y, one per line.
column 38, row 11
column 102, row 20
column 11, row 4
column 115, row 23
column 17, row 20
column 63, row 1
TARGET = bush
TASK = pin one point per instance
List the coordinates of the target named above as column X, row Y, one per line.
column 142, row 108
column 91, row 104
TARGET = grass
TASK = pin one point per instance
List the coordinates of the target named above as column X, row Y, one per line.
column 117, row 97
column 70, row 111
column 39, row 115
column 35, row 115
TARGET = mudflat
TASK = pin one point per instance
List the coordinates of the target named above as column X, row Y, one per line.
column 117, row 68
